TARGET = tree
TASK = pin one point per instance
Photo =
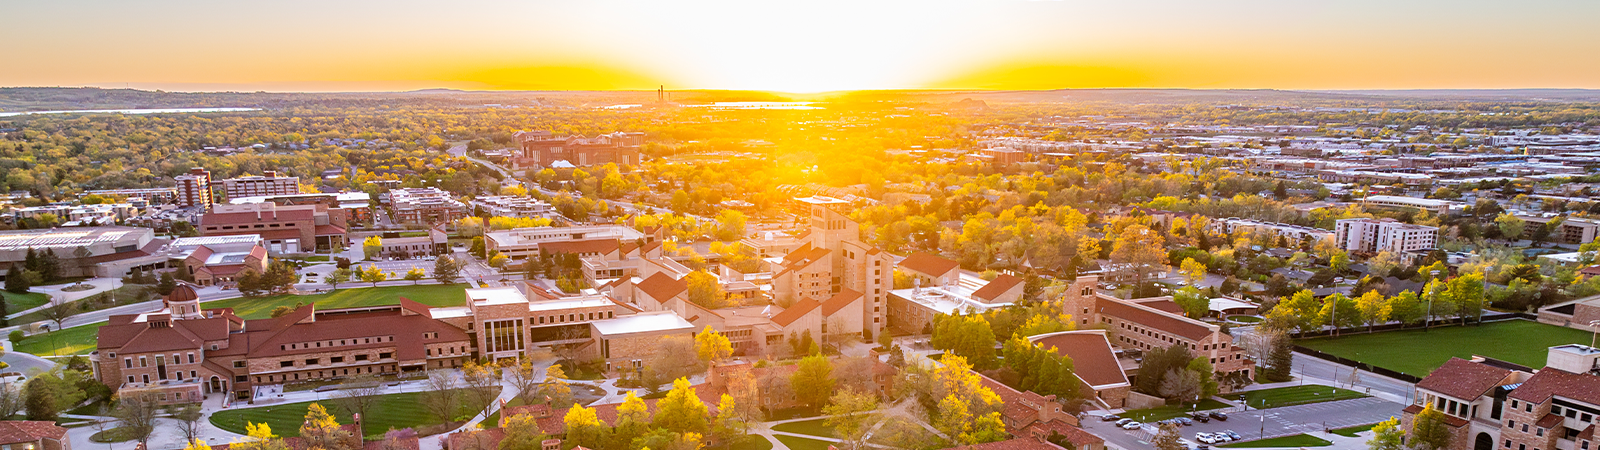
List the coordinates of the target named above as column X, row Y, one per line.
column 969, row 336
column 260, row 437
column 167, row 284
column 1194, row 304
column 47, row 394
column 584, row 428
column 445, row 269
column 705, row 290
column 321, row 431
column 371, row 247
column 414, row 275
column 526, row 381
column 1466, row 293
column 1139, row 252
column 675, row 357
column 712, row 346
column 1167, row 439
column 359, row 394
column 482, row 383
column 1157, row 362
column 730, row 225
column 1374, row 308
column 1280, row 356
column 16, row 281
column 555, row 388
column 813, row 381
column 137, row 415
column 1429, row 430
column 477, row 248
column 1383, row 263
column 1510, row 226
column 372, row 274
column 59, row 311
column 1387, row 435
column 470, row 226
column 439, row 395
column 1193, row 271
column 1203, row 370
column 1339, row 311
column 337, row 276
column 11, row 399
column 1180, row 385
column 1406, row 307
column 681, row 411
column 522, row 433
column 633, row 417
column 188, row 418
column 730, row 426
column 850, row 414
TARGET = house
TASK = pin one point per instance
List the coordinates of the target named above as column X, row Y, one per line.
column 33, row 435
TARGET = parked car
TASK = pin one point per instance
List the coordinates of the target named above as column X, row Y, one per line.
column 1233, row 435
column 1121, row 422
column 1185, row 443
column 1222, row 438
column 1205, row 437
column 1219, row 415
column 1202, row 417
column 1132, row 425
column 1110, row 418
column 1185, row 421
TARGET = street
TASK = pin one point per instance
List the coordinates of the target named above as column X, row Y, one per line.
column 1256, row 423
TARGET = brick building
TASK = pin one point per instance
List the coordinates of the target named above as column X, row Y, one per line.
column 285, row 229
column 832, row 258
column 1094, row 362
column 1150, row 323
column 1490, row 404
column 194, row 188
column 33, row 435
column 543, row 148
column 431, row 206
column 266, row 184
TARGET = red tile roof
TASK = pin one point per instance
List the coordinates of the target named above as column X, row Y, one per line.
column 1075, row 435
column 662, row 286
column 1549, row 421
column 928, row 263
column 1550, row 382
column 997, row 286
column 795, row 312
column 1012, row 444
column 1149, row 317
column 1161, row 303
column 1463, row 379
column 1448, row 419
column 19, row 431
column 1092, row 358
column 839, row 301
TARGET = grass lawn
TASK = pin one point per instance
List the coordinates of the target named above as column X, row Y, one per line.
column 1298, row 440
column 752, row 442
column 1418, row 352
column 1297, row 395
column 128, row 294
column 813, row 427
column 428, row 294
column 798, row 443
column 1167, row 412
column 1351, row 431
column 393, row 410
column 72, row 341
column 20, row 302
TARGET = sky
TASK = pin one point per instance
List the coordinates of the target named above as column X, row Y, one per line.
column 799, row 46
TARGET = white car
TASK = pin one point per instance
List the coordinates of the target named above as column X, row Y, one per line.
column 1205, row 438
column 1132, row 425
column 1185, row 443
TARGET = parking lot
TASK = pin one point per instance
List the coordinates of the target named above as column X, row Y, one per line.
column 1256, row 424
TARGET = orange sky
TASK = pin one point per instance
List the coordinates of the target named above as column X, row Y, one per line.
column 793, row 46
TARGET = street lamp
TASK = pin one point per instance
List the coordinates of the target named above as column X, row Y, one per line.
column 1593, row 331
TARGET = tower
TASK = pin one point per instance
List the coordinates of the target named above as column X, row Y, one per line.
column 183, row 302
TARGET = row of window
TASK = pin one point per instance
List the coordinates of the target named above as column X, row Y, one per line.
column 320, row 374
column 244, row 227
column 127, row 362
column 332, row 343
column 331, row 360
column 574, row 317
column 146, row 377
column 442, row 353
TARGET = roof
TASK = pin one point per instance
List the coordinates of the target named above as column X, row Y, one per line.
column 1453, row 421
column 795, row 312
column 580, row 246
column 1463, row 379
column 840, row 300
column 1151, row 317
column 1011, row 444
column 662, row 286
column 1161, row 303
column 17, row 431
column 1092, row 358
column 997, row 286
column 642, row 323
column 929, row 263
column 495, row 296
column 1550, row 382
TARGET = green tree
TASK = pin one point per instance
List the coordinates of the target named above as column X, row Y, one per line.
column 1339, row 311
column 1194, row 303
column 1429, row 430
column 47, row 394
column 446, row 270
column 1406, row 308
column 415, row 274
column 1280, row 356
column 850, row 414
column 1466, row 293
column 967, row 335
column 1510, row 226
column 16, row 281
column 1140, row 252
column 167, row 284
column 337, row 276
column 1202, row 368
column 813, row 381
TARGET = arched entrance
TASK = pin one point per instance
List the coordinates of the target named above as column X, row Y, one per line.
column 1483, row 442
column 214, row 386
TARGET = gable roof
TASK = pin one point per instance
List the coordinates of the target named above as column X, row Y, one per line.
column 840, row 300
column 999, row 285
column 1549, row 382
column 1092, row 358
column 929, row 263
column 18, row 431
column 795, row 312
column 1464, row 379
column 1152, row 317
column 662, row 286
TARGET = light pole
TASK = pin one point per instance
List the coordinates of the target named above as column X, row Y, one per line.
column 1594, row 329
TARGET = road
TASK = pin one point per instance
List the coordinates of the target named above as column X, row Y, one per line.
column 1256, row 423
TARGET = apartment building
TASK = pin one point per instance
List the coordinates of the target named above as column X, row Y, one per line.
column 513, row 206
column 194, row 188
column 1571, row 230
column 266, row 184
column 1157, row 322
column 543, row 149
column 431, row 206
column 1294, row 233
column 149, row 195
column 1492, row 404
column 285, row 229
column 1436, row 207
column 1383, row 235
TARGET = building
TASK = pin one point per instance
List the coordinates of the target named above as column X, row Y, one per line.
column 1383, row 235
column 521, row 243
column 435, row 243
column 33, row 435
column 194, row 188
column 941, row 287
column 543, row 149
column 1158, row 322
column 431, row 206
column 831, row 259
column 151, row 195
column 1436, row 207
column 1491, row 404
column 222, row 265
column 356, row 206
column 87, row 251
column 267, row 184
column 513, row 206
column 1294, row 233
column 285, row 229
column 1572, row 230
column 1095, row 363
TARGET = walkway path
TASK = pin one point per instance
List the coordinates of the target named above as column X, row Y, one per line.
column 58, row 293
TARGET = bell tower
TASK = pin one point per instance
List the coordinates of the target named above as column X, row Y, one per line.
column 183, row 302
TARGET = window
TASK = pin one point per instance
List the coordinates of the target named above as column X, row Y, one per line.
column 385, row 355
column 240, row 379
column 191, row 358
column 285, row 363
column 361, row 357
column 238, row 364
column 311, row 361
column 336, row 359
column 142, row 362
column 127, row 363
